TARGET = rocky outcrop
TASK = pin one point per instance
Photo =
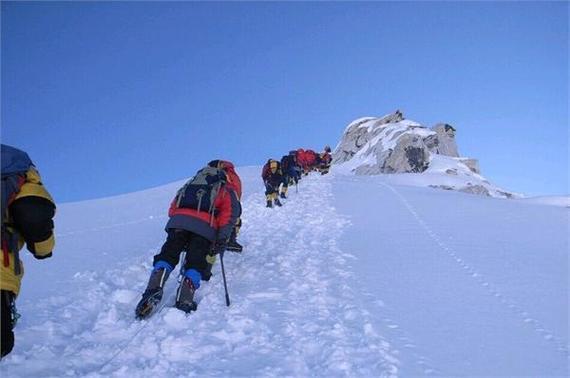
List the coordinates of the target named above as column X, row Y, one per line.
column 410, row 155
column 472, row 164
column 394, row 144
column 475, row 189
column 391, row 144
column 360, row 132
column 445, row 140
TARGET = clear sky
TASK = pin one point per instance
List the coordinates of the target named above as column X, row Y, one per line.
column 113, row 97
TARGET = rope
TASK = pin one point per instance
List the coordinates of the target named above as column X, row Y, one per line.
column 160, row 308
column 130, row 340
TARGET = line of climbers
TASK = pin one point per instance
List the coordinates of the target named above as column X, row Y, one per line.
column 279, row 175
column 204, row 221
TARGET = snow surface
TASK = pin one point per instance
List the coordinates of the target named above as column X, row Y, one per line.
column 360, row 121
column 437, row 175
column 355, row 276
column 549, row 200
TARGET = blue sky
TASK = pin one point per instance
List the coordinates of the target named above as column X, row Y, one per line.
column 113, row 97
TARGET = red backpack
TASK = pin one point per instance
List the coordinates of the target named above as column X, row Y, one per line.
column 310, row 157
column 234, row 182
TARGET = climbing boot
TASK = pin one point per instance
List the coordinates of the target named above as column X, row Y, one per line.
column 153, row 293
column 185, row 296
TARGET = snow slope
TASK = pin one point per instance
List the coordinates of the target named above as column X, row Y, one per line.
column 549, row 200
column 354, row 276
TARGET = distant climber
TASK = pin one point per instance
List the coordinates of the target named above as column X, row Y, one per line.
column 291, row 172
column 324, row 161
column 272, row 178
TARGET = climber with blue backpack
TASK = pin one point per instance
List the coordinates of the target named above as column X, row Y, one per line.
column 202, row 217
column 27, row 218
column 291, row 172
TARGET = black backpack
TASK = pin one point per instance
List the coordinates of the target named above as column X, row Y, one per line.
column 200, row 192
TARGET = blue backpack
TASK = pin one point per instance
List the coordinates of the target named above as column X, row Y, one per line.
column 15, row 165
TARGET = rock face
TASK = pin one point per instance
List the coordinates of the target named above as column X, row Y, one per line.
column 472, row 164
column 410, row 155
column 393, row 144
column 446, row 140
column 356, row 136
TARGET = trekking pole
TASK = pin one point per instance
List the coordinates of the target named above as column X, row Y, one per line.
column 182, row 264
column 224, row 278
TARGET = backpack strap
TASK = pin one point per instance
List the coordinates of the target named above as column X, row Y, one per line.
column 181, row 192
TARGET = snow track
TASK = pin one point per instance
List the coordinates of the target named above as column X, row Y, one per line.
column 524, row 315
column 323, row 328
column 293, row 310
column 457, row 277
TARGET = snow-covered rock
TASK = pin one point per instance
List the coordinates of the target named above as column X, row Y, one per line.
column 394, row 144
column 409, row 155
column 445, row 140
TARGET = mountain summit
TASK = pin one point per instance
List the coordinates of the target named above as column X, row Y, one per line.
column 394, row 144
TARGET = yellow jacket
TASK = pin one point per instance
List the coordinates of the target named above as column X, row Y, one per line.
column 9, row 280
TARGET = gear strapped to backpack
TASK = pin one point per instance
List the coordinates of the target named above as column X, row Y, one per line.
column 200, row 191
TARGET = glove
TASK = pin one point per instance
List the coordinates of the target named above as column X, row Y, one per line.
column 41, row 257
column 219, row 246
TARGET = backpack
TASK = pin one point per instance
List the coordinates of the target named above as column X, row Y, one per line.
column 288, row 164
column 200, row 192
column 15, row 165
column 285, row 163
column 311, row 157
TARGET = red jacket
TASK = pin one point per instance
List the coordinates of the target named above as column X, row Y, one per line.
column 215, row 226
column 306, row 158
column 301, row 158
column 311, row 158
column 234, row 182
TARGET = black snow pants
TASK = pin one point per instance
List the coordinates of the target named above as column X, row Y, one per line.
column 7, row 328
column 197, row 248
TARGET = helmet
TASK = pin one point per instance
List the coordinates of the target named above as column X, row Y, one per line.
column 327, row 149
